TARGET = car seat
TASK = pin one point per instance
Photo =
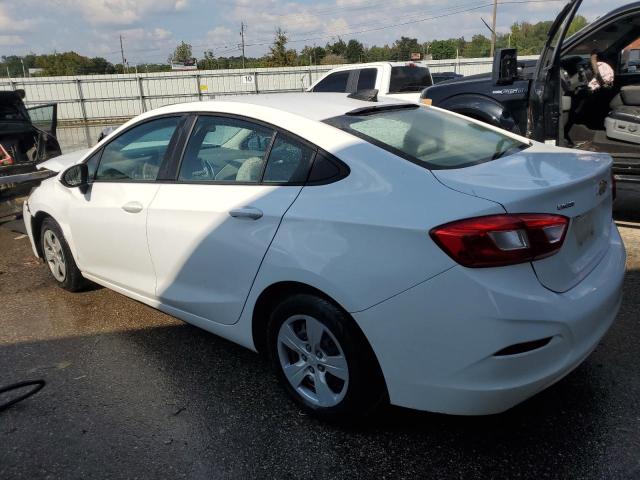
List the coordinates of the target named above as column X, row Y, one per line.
column 623, row 122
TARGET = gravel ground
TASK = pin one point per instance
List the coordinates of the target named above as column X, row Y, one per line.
column 134, row 393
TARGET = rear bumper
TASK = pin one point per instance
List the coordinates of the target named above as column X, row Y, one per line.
column 436, row 342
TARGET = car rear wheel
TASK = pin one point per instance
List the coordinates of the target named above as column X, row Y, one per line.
column 58, row 257
column 322, row 360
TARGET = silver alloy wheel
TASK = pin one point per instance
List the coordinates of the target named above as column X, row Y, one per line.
column 313, row 360
column 54, row 255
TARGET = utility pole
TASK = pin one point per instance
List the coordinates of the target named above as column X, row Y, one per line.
column 124, row 62
column 242, row 25
column 493, row 30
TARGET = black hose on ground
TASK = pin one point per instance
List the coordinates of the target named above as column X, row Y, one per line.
column 37, row 384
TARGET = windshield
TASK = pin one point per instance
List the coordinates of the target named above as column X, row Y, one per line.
column 409, row 79
column 428, row 137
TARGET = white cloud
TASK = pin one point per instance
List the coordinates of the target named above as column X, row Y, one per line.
column 10, row 24
column 11, row 40
column 121, row 12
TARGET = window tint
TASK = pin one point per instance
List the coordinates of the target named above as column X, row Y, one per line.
column 367, row 78
column 289, row 161
column 225, row 149
column 92, row 164
column 430, row 138
column 336, row 82
column 137, row 153
column 409, row 79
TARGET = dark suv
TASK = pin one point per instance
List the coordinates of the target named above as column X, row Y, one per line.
column 551, row 99
column 27, row 137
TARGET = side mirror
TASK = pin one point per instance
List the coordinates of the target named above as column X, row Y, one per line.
column 505, row 66
column 76, row 176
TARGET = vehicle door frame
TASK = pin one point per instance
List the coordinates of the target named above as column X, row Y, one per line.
column 543, row 119
column 54, row 117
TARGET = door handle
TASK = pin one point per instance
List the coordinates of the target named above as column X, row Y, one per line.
column 132, row 207
column 251, row 213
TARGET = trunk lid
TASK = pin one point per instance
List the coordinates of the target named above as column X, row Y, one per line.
column 541, row 179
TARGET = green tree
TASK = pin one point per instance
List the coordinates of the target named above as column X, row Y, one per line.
column 279, row 56
column 337, row 48
column 404, row 47
column 182, row 54
column 354, row 52
column 479, row 46
column 443, row 49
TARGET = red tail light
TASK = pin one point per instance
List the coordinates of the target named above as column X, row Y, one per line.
column 5, row 158
column 499, row 240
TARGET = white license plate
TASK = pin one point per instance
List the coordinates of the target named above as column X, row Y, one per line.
column 584, row 228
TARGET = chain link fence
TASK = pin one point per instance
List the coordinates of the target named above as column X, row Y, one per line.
column 93, row 99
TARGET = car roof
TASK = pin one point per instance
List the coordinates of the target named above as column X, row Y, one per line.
column 313, row 106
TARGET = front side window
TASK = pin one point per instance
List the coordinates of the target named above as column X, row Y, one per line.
column 336, row 82
column 226, row 150
column 136, row 154
column 433, row 139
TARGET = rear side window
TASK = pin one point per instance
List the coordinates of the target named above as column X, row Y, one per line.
column 409, row 79
column 367, row 78
column 336, row 82
column 289, row 161
column 225, row 150
column 430, row 138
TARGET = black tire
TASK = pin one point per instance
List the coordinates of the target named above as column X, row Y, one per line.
column 365, row 389
column 73, row 280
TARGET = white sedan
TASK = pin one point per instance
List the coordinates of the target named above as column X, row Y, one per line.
column 375, row 250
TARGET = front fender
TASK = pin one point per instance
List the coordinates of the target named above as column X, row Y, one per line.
column 482, row 108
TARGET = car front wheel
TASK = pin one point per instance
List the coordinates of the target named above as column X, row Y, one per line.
column 322, row 360
column 58, row 257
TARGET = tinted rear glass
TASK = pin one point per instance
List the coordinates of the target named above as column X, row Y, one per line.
column 11, row 113
column 430, row 138
column 336, row 82
column 409, row 79
column 367, row 78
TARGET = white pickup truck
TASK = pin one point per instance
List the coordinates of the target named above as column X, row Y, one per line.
column 403, row 80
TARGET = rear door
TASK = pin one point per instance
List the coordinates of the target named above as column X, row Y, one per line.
column 211, row 225
column 546, row 93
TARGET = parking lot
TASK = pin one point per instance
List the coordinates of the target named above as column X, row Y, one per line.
column 134, row 393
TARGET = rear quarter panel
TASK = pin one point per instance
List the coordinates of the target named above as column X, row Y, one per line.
column 366, row 238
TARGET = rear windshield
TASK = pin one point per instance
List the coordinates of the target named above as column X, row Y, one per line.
column 10, row 113
column 428, row 137
column 409, row 79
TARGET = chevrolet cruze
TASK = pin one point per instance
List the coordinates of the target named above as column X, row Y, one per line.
column 376, row 251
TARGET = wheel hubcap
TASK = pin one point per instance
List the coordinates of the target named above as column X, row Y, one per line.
column 54, row 255
column 323, row 378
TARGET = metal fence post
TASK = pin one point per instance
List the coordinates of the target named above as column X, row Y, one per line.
column 141, row 94
column 81, row 99
column 310, row 80
column 13, row 84
column 199, row 87
column 255, row 81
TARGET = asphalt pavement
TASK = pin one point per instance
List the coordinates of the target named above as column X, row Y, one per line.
column 134, row 393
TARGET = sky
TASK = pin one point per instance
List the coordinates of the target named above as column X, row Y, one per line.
column 152, row 28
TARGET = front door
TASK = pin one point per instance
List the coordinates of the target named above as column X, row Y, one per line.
column 108, row 222
column 546, row 92
column 210, row 229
